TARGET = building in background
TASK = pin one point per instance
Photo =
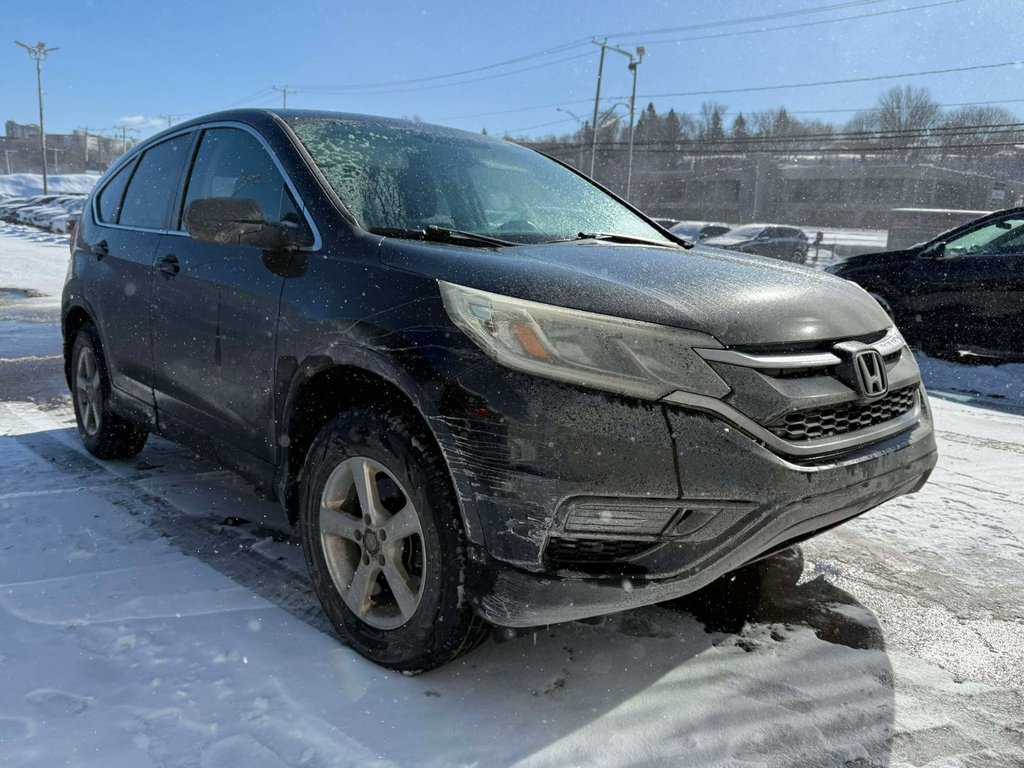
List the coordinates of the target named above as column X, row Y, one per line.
column 75, row 152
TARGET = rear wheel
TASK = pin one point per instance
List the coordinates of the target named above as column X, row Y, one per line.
column 105, row 433
column 384, row 542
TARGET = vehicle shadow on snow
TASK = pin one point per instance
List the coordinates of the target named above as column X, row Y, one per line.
column 761, row 667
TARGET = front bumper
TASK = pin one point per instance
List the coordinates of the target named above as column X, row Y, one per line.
column 544, row 464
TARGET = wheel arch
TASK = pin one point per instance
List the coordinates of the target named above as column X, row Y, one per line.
column 71, row 323
column 323, row 387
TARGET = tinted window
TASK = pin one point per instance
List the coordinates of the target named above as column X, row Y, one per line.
column 155, row 184
column 233, row 163
column 108, row 204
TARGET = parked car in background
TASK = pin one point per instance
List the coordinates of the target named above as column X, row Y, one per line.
column 11, row 209
column 699, row 231
column 64, row 223
column 10, row 203
column 466, row 372
column 773, row 240
column 961, row 293
column 42, row 217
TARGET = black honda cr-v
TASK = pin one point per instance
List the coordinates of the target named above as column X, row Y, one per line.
column 484, row 389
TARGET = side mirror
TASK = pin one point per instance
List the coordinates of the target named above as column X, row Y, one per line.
column 232, row 221
column 935, row 250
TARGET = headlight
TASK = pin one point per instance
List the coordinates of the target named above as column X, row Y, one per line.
column 610, row 353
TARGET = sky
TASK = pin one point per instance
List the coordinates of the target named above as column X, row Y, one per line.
column 142, row 63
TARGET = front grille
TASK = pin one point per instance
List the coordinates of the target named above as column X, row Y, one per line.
column 846, row 417
column 591, row 554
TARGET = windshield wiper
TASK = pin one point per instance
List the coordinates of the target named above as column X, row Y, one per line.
column 437, row 234
column 615, row 237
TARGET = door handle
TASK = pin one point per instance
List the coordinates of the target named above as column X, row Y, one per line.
column 169, row 265
column 100, row 249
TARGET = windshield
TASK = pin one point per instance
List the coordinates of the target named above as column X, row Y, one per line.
column 403, row 176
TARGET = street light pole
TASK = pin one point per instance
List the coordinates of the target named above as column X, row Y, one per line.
column 39, row 52
column 574, row 116
column 632, row 108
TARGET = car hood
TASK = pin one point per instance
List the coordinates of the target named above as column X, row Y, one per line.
column 738, row 299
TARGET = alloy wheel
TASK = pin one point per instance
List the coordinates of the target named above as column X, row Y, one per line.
column 373, row 542
column 88, row 391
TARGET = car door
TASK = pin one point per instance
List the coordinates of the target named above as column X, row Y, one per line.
column 215, row 306
column 970, row 292
column 132, row 212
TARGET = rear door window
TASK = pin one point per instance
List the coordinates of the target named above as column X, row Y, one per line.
column 154, row 187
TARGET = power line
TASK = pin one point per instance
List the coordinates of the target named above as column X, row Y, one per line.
column 802, row 25
column 457, row 73
column 327, row 90
column 585, row 40
column 842, row 81
column 747, row 19
column 750, row 89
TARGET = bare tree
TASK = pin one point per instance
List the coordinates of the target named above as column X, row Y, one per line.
column 981, row 124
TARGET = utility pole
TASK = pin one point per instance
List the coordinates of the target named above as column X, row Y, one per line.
column 285, row 90
column 634, row 60
column 597, row 101
column 168, row 119
column 56, row 165
column 7, row 157
column 39, row 52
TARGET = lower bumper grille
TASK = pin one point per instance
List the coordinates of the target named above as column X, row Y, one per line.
column 592, row 554
column 846, row 417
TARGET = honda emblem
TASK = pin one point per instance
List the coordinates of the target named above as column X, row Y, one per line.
column 871, row 377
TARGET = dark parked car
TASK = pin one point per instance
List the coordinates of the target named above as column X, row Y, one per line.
column 961, row 292
column 772, row 240
column 485, row 390
column 699, row 231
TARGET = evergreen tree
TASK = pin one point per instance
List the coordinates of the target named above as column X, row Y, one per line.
column 739, row 127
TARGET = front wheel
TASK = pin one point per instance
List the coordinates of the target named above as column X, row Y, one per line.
column 105, row 433
column 384, row 542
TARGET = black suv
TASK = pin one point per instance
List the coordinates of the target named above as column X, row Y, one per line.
column 484, row 389
column 960, row 292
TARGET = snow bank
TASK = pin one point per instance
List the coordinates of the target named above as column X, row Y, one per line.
column 22, row 184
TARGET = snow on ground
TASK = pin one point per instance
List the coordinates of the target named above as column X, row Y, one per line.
column 23, row 184
column 157, row 613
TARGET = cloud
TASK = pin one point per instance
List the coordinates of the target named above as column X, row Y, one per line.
column 142, row 122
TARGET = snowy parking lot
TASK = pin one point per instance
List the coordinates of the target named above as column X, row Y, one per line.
column 156, row 612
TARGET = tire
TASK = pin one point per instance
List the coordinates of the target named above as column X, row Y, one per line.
column 397, row 599
column 798, row 256
column 105, row 433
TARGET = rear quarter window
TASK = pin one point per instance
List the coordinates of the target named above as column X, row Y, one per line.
column 108, row 202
